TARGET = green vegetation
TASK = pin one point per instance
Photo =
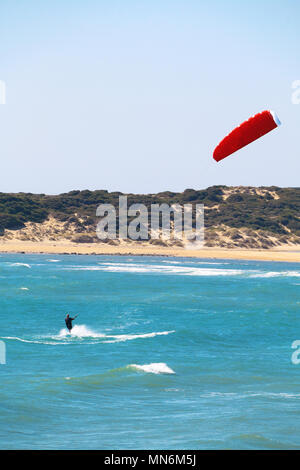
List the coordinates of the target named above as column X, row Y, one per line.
column 270, row 209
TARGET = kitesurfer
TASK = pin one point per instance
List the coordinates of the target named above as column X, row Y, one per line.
column 68, row 321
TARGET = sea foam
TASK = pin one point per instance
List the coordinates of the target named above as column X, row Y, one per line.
column 153, row 368
column 25, row 265
column 158, row 269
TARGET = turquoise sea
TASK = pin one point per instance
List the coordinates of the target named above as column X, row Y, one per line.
column 165, row 354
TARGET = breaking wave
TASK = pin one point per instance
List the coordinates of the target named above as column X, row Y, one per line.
column 25, row 265
column 158, row 269
column 153, row 368
column 276, row 274
column 173, row 268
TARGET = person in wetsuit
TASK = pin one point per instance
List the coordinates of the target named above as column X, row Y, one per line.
column 68, row 321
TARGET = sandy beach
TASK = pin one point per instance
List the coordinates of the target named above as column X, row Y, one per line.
column 287, row 254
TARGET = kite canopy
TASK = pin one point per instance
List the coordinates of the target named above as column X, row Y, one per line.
column 247, row 132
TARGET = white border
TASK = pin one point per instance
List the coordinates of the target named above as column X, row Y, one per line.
column 276, row 118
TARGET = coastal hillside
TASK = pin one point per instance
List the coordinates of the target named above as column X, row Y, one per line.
column 235, row 217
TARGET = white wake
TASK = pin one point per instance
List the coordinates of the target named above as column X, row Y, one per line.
column 81, row 331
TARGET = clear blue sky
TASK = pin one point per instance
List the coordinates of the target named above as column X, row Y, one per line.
column 133, row 96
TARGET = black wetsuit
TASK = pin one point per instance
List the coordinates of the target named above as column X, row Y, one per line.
column 69, row 323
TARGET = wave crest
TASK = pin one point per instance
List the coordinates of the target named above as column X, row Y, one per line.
column 153, row 368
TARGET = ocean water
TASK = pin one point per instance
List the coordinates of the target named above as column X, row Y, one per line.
column 165, row 354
